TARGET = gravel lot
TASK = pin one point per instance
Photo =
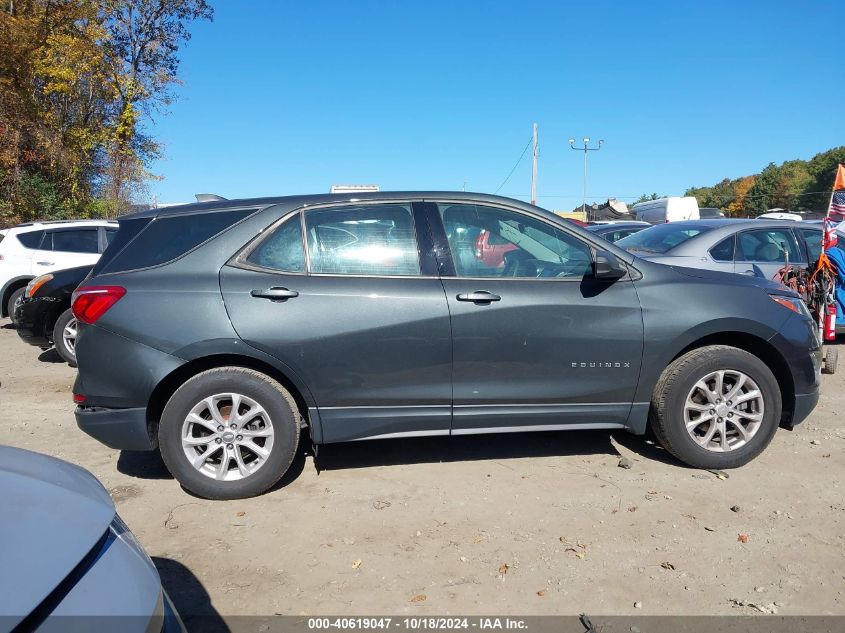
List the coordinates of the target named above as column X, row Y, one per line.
column 512, row 524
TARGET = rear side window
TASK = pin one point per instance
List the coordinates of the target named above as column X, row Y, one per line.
column 127, row 230
column 30, row 239
column 73, row 241
column 376, row 239
column 724, row 250
column 661, row 238
column 165, row 238
column 282, row 250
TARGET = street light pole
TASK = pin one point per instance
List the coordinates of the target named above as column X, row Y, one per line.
column 585, row 149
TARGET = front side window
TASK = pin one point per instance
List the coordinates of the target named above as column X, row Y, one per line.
column 371, row 239
column 76, row 241
column 767, row 246
column 813, row 240
column 282, row 250
column 512, row 245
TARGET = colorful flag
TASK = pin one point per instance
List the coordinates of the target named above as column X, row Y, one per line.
column 830, row 238
column 837, row 203
column 839, row 184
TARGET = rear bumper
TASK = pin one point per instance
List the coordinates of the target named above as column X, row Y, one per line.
column 122, row 429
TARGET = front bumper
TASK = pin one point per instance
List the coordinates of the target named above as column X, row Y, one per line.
column 804, row 405
column 122, row 429
column 34, row 320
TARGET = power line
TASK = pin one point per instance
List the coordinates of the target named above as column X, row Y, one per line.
column 521, row 156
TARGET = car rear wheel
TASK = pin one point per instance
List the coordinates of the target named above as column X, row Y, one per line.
column 64, row 337
column 10, row 304
column 716, row 407
column 229, row 433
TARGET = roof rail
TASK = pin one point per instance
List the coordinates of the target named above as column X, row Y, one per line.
column 42, row 222
column 208, row 197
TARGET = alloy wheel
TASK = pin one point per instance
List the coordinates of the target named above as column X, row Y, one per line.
column 69, row 336
column 227, row 436
column 724, row 410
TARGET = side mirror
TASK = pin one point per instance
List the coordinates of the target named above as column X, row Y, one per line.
column 607, row 266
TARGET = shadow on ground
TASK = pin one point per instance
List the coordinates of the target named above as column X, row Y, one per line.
column 50, row 356
column 189, row 597
column 426, row 450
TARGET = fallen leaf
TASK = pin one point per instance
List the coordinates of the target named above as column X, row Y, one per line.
column 380, row 504
column 503, row 568
column 632, row 508
column 419, row 598
column 709, row 529
column 357, row 564
column 541, row 593
column 240, row 514
column 742, row 538
column 667, row 565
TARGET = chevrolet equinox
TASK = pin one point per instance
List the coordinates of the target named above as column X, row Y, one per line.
column 217, row 332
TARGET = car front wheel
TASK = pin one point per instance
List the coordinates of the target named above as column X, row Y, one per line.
column 716, row 407
column 10, row 305
column 229, row 433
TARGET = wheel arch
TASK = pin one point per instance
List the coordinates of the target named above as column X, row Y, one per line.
column 12, row 285
column 762, row 349
column 168, row 385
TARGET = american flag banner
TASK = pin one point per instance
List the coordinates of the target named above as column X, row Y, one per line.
column 837, row 203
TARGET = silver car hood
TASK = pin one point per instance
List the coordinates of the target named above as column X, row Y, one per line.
column 51, row 515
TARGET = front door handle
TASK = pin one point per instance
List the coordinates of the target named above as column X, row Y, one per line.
column 44, row 263
column 479, row 296
column 274, row 294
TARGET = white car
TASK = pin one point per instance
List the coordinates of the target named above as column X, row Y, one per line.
column 32, row 249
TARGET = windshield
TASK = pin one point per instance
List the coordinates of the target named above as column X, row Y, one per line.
column 661, row 238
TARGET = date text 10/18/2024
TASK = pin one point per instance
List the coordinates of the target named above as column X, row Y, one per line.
column 416, row 623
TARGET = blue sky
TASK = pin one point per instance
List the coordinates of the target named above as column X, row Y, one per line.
column 284, row 97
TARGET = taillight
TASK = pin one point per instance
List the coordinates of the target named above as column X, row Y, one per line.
column 89, row 303
column 78, row 398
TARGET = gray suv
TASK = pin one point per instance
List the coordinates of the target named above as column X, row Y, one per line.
column 217, row 332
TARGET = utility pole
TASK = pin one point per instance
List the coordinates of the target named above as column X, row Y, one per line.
column 534, row 169
column 585, row 149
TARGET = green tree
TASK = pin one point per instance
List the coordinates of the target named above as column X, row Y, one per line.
column 761, row 194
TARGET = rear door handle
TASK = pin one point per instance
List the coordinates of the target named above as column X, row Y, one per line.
column 479, row 296
column 44, row 263
column 275, row 294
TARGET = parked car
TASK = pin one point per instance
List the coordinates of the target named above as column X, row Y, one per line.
column 217, row 332
column 793, row 217
column 709, row 213
column 491, row 248
column 30, row 250
column 672, row 209
column 43, row 316
column 615, row 231
column 70, row 561
column 750, row 247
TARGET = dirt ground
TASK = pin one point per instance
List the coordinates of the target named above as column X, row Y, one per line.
column 510, row 524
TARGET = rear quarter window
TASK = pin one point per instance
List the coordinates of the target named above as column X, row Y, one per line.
column 30, row 239
column 142, row 243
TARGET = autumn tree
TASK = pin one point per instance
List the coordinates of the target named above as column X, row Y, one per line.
column 77, row 80
column 144, row 39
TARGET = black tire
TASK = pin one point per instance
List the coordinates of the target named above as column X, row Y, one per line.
column 676, row 383
column 266, row 392
column 67, row 353
column 10, row 304
column 831, row 359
